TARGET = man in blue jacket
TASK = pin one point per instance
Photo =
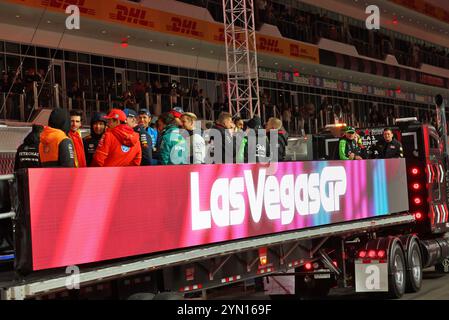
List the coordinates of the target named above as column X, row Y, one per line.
column 145, row 139
column 144, row 121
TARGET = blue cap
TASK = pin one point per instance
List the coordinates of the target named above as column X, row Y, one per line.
column 130, row 112
column 145, row 111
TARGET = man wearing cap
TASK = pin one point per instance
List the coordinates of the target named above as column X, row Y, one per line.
column 120, row 145
column 177, row 113
column 389, row 147
column 348, row 146
column 144, row 121
column 144, row 138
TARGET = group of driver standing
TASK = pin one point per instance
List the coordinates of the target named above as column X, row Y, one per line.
column 351, row 147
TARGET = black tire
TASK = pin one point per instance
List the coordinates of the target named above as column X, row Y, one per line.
column 443, row 267
column 314, row 289
column 414, row 267
column 396, row 272
column 142, row 296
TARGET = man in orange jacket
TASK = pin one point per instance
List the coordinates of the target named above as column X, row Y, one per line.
column 55, row 147
column 75, row 135
column 120, row 145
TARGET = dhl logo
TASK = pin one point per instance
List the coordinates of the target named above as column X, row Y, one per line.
column 269, row 45
column 184, row 26
column 297, row 51
column 63, row 4
column 221, row 37
column 131, row 15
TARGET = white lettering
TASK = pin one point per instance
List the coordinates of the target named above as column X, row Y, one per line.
column 255, row 200
column 271, row 198
column 220, row 189
column 278, row 197
column 72, row 21
column 287, row 199
column 236, row 187
column 314, row 193
column 302, row 203
column 200, row 219
column 373, row 280
column 373, row 20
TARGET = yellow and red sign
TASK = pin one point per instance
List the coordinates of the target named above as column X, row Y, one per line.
column 137, row 16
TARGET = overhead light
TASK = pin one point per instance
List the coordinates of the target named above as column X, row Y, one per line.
column 170, row 44
column 17, row 16
column 128, row 36
column 151, row 40
column 104, row 31
column 193, row 48
column 48, row 21
column 212, row 52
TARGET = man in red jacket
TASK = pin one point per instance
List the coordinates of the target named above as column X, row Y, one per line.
column 120, row 145
column 75, row 135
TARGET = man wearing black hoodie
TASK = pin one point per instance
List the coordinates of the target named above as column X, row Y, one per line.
column 27, row 155
column 97, row 129
column 221, row 139
column 254, row 145
column 55, row 147
column 274, row 125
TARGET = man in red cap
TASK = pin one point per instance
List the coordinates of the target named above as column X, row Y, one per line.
column 120, row 145
column 177, row 113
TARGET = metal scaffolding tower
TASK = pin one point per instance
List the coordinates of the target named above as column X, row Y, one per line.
column 241, row 58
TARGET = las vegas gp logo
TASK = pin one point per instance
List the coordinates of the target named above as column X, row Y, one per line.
column 125, row 148
column 279, row 197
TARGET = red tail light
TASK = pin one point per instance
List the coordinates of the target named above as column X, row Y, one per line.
column 308, row 266
column 381, row 254
column 415, row 171
column 416, row 186
column 335, row 263
column 362, row 254
column 418, row 216
column 263, row 256
column 372, row 254
column 417, row 200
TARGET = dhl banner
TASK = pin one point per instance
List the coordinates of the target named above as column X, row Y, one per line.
column 137, row 16
column 426, row 8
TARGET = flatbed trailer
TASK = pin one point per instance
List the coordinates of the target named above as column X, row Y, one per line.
column 340, row 246
column 43, row 285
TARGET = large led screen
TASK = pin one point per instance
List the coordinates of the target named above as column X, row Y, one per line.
column 87, row 215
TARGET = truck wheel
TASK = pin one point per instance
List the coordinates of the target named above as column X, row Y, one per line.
column 396, row 272
column 307, row 288
column 414, row 267
column 443, row 267
column 141, row 296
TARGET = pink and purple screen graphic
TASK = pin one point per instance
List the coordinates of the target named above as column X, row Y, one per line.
column 94, row 214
